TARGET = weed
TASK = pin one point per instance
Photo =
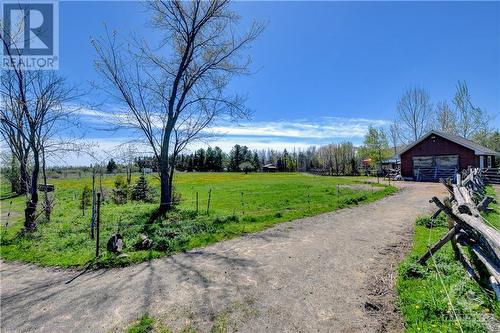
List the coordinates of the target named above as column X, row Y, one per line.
column 145, row 325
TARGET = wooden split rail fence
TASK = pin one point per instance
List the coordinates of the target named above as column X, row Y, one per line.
column 467, row 228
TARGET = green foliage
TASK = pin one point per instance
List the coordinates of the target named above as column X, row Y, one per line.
column 410, row 269
column 13, row 176
column 425, row 292
column 353, row 200
column 440, row 221
column 141, row 191
column 489, row 138
column 375, row 145
column 237, row 156
column 268, row 199
column 492, row 215
column 120, row 193
column 111, row 166
column 86, row 197
column 145, row 325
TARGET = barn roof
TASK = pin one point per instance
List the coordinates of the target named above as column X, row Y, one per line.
column 476, row 147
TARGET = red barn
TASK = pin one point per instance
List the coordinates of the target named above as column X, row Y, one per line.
column 440, row 155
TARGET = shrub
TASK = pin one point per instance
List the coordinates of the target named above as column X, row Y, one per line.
column 353, row 201
column 176, row 197
column 412, row 270
column 141, row 191
column 249, row 219
column 86, row 197
column 119, row 194
column 232, row 218
column 440, row 221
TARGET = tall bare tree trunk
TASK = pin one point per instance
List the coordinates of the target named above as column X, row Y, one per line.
column 165, row 188
column 23, row 172
column 165, row 191
column 164, row 165
column 30, row 211
column 47, row 205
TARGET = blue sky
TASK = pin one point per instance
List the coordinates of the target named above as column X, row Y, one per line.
column 324, row 71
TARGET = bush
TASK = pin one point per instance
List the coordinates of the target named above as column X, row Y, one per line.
column 86, row 197
column 440, row 221
column 120, row 193
column 141, row 191
column 176, row 197
column 412, row 270
column 353, row 201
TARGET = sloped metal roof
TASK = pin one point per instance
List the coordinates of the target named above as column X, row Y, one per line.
column 476, row 147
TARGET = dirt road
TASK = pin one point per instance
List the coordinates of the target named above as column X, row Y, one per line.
column 309, row 275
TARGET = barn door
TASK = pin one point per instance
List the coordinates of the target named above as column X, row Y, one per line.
column 431, row 168
column 421, row 164
column 447, row 162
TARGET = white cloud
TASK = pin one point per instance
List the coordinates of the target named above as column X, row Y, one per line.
column 324, row 128
column 289, row 134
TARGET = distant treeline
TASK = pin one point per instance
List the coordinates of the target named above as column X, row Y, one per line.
column 333, row 159
column 339, row 159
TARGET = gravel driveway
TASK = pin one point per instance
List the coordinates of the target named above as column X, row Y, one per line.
column 327, row 273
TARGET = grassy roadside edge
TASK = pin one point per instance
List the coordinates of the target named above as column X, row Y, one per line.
column 440, row 297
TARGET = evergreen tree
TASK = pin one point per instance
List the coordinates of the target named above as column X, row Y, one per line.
column 199, row 162
column 210, row 159
column 256, row 161
column 120, row 193
column 141, row 191
column 235, row 158
column 219, row 159
column 111, row 167
column 85, row 198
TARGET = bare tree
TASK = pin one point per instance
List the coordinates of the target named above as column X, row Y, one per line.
column 446, row 118
column 12, row 134
column 175, row 91
column 393, row 135
column 33, row 105
column 471, row 120
column 415, row 114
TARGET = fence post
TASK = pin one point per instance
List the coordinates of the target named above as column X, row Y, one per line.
column 242, row 204
column 338, row 197
column 309, row 201
column 98, row 220
column 208, row 203
column 92, row 219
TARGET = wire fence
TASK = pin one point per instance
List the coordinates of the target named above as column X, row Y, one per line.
column 242, row 206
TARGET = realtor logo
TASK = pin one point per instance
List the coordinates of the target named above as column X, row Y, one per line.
column 30, row 33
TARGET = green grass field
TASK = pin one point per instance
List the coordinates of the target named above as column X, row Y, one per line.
column 440, row 297
column 493, row 213
column 239, row 204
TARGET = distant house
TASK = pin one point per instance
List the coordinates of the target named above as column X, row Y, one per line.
column 269, row 168
column 441, row 155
